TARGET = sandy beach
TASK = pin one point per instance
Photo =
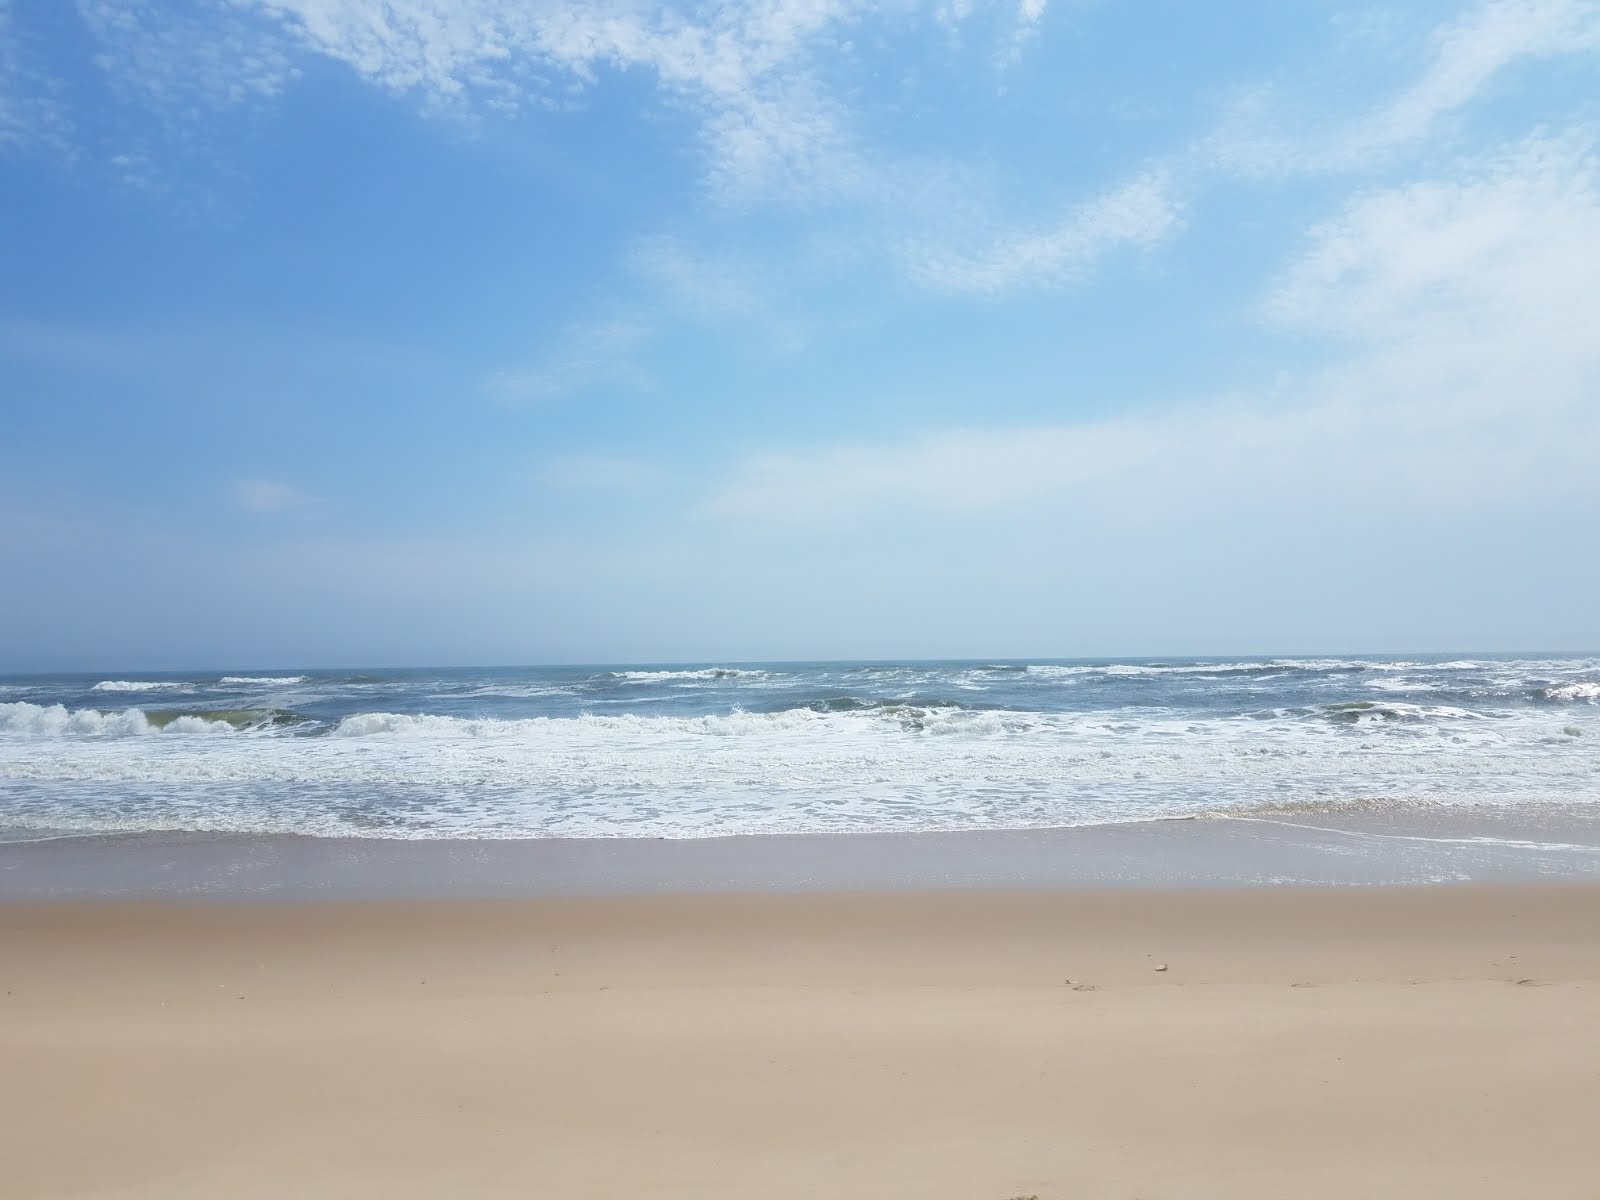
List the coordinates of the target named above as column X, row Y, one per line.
column 978, row 1045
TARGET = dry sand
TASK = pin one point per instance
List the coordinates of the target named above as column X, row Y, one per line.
column 1440, row 1042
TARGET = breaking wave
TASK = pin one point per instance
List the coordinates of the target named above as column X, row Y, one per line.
column 700, row 673
column 710, row 750
column 57, row 721
column 1581, row 691
column 242, row 719
column 1356, row 712
column 738, row 724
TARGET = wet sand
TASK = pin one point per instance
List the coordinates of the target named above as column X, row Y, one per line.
column 967, row 1044
column 1477, row 844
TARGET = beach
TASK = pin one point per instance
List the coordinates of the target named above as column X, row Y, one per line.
column 1165, row 930
column 958, row 1043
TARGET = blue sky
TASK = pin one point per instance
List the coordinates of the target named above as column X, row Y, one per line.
column 436, row 331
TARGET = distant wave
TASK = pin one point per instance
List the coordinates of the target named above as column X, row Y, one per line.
column 507, row 691
column 1207, row 669
column 845, row 702
column 135, row 685
column 702, row 673
column 251, row 680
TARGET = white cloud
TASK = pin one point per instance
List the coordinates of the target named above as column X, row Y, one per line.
column 31, row 114
column 1508, row 249
column 1477, row 299
column 1468, row 54
column 266, row 495
column 587, row 357
column 1138, row 214
column 752, row 74
column 1464, row 57
column 183, row 62
column 744, row 66
column 702, row 283
column 759, row 78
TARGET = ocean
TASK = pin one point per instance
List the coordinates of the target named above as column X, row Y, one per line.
column 782, row 748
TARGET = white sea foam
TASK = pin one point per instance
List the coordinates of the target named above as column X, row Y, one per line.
column 1158, row 670
column 135, row 685
column 1578, row 690
column 20, row 718
column 254, row 680
column 897, row 766
column 858, row 748
column 1395, row 710
column 506, row 691
column 1403, row 684
column 705, row 673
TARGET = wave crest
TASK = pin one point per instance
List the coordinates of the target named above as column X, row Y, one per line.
column 1575, row 691
column 698, row 673
column 55, row 720
column 913, row 718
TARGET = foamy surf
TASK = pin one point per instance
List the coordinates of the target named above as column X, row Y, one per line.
column 710, row 749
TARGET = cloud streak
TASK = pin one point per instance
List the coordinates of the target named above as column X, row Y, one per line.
column 587, row 357
column 1139, row 214
column 1464, row 57
column 1475, row 298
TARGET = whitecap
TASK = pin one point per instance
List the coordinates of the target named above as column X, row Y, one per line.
column 699, row 674
column 58, row 721
column 1577, row 690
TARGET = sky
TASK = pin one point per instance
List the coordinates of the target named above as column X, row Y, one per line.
column 365, row 332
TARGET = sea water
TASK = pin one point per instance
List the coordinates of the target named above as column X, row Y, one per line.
column 710, row 749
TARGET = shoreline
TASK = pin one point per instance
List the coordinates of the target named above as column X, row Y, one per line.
column 1315, row 850
column 1214, row 1044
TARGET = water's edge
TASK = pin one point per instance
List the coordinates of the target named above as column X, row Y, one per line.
column 1157, row 854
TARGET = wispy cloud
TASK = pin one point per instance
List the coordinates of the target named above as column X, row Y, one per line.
column 182, row 61
column 713, row 284
column 755, row 77
column 1504, row 248
column 1476, row 298
column 776, row 125
column 1461, row 61
column 743, row 67
column 1138, row 214
column 585, row 357
column 267, row 495
column 31, row 112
